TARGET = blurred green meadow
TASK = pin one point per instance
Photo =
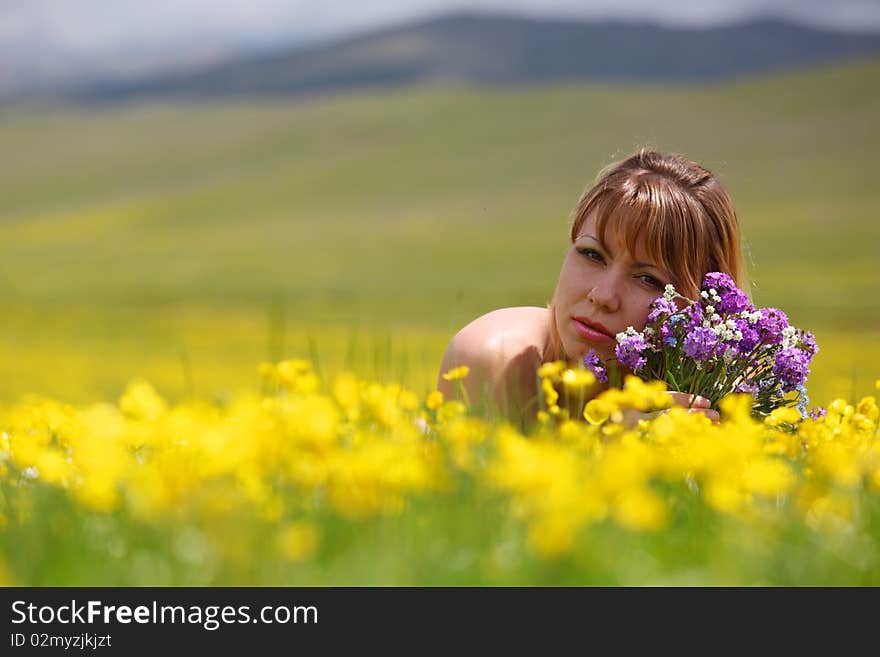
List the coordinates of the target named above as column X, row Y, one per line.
column 187, row 243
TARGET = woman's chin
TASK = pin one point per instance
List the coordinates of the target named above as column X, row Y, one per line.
column 579, row 350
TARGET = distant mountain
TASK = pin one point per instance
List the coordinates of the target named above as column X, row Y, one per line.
column 497, row 50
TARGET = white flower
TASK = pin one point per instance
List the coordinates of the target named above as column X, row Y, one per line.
column 669, row 292
column 704, row 294
column 30, row 472
column 710, row 310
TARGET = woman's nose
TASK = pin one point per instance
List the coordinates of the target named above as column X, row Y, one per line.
column 604, row 294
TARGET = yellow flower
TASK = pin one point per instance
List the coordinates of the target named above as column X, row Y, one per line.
column 346, row 390
column 578, row 378
column 784, row 415
column 298, row 541
column 725, row 496
column 551, row 370
column 597, row 411
column 297, row 376
column 832, row 513
column 52, row 467
column 550, row 394
column 640, row 509
column 408, row 400
column 312, row 420
column 141, row 401
column 462, row 435
column 768, row 477
column 382, row 403
column 552, row 535
column 736, row 407
column 838, row 462
column 450, row 410
column 867, row 406
column 645, row 395
column 457, row 373
column 435, row 398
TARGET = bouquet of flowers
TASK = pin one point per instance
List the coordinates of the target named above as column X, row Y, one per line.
column 717, row 345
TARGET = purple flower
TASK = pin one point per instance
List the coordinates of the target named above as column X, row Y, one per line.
column 771, row 325
column 592, row 363
column 791, row 367
column 721, row 282
column 729, row 350
column 808, row 343
column 749, row 335
column 669, row 327
column 733, row 300
column 659, row 307
column 630, row 350
column 692, row 317
column 700, row 343
column 818, row 412
column 747, row 386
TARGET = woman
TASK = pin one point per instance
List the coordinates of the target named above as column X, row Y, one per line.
column 649, row 220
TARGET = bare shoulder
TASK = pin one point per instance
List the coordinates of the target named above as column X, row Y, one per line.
column 498, row 336
column 501, row 349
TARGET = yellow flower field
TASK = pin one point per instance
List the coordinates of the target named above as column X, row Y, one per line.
column 352, row 481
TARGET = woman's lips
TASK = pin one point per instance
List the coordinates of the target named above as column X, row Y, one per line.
column 589, row 332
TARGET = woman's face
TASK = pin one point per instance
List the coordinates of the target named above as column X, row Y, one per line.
column 603, row 290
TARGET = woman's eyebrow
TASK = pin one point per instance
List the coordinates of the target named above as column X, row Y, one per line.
column 648, row 264
column 635, row 264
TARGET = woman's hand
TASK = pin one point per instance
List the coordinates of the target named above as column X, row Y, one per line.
column 699, row 405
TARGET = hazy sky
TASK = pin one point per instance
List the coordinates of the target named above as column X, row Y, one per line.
column 98, row 25
column 49, row 42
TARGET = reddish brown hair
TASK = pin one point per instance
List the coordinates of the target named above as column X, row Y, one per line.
column 680, row 209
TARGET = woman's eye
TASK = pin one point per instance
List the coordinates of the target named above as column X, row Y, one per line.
column 591, row 254
column 649, row 280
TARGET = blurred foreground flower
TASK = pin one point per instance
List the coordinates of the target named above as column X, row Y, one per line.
column 300, row 464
